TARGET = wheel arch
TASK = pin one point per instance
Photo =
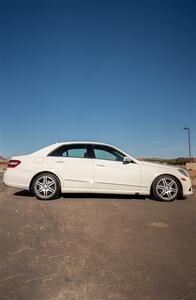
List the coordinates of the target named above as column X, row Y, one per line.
column 49, row 172
column 166, row 174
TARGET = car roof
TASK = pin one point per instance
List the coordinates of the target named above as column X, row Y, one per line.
column 84, row 142
column 49, row 148
column 44, row 151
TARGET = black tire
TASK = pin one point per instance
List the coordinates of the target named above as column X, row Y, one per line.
column 166, row 188
column 46, row 186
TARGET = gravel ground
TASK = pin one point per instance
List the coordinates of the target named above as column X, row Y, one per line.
column 96, row 247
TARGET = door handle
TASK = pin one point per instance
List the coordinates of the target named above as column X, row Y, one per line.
column 60, row 162
column 99, row 165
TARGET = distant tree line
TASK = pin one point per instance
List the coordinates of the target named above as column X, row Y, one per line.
column 170, row 161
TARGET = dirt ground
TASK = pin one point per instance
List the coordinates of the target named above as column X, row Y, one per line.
column 96, row 247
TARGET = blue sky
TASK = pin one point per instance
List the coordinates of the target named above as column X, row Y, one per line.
column 123, row 72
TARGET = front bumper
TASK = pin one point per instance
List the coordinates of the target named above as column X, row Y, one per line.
column 187, row 187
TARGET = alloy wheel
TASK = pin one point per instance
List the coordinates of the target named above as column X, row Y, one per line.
column 45, row 187
column 167, row 188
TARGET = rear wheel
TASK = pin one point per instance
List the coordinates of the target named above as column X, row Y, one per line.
column 166, row 188
column 46, row 186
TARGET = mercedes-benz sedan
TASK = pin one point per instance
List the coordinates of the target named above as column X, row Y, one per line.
column 93, row 167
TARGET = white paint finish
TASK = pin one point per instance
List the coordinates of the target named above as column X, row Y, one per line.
column 91, row 175
column 114, row 175
column 38, row 160
column 75, row 172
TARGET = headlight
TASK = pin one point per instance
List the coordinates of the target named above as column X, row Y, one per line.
column 183, row 172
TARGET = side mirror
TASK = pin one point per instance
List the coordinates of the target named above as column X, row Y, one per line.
column 126, row 160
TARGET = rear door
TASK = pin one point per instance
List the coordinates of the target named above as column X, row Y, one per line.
column 74, row 165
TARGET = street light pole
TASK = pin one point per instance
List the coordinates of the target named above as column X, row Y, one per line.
column 189, row 141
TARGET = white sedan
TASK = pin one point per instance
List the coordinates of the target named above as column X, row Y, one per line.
column 93, row 167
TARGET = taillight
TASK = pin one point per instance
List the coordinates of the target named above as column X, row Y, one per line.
column 13, row 163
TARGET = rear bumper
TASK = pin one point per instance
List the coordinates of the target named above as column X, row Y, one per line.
column 17, row 179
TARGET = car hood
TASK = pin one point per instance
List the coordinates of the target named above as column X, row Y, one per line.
column 158, row 165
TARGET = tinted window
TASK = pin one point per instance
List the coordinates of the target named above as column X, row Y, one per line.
column 107, row 153
column 77, row 151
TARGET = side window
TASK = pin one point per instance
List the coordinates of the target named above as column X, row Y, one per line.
column 74, row 151
column 107, row 153
column 77, row 152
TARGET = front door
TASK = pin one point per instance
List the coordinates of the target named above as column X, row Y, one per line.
column 111, row 174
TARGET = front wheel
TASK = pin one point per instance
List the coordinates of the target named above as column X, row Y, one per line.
column 166, row 188
column 45, row 186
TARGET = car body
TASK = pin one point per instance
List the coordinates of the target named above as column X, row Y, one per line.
column 93, row 167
